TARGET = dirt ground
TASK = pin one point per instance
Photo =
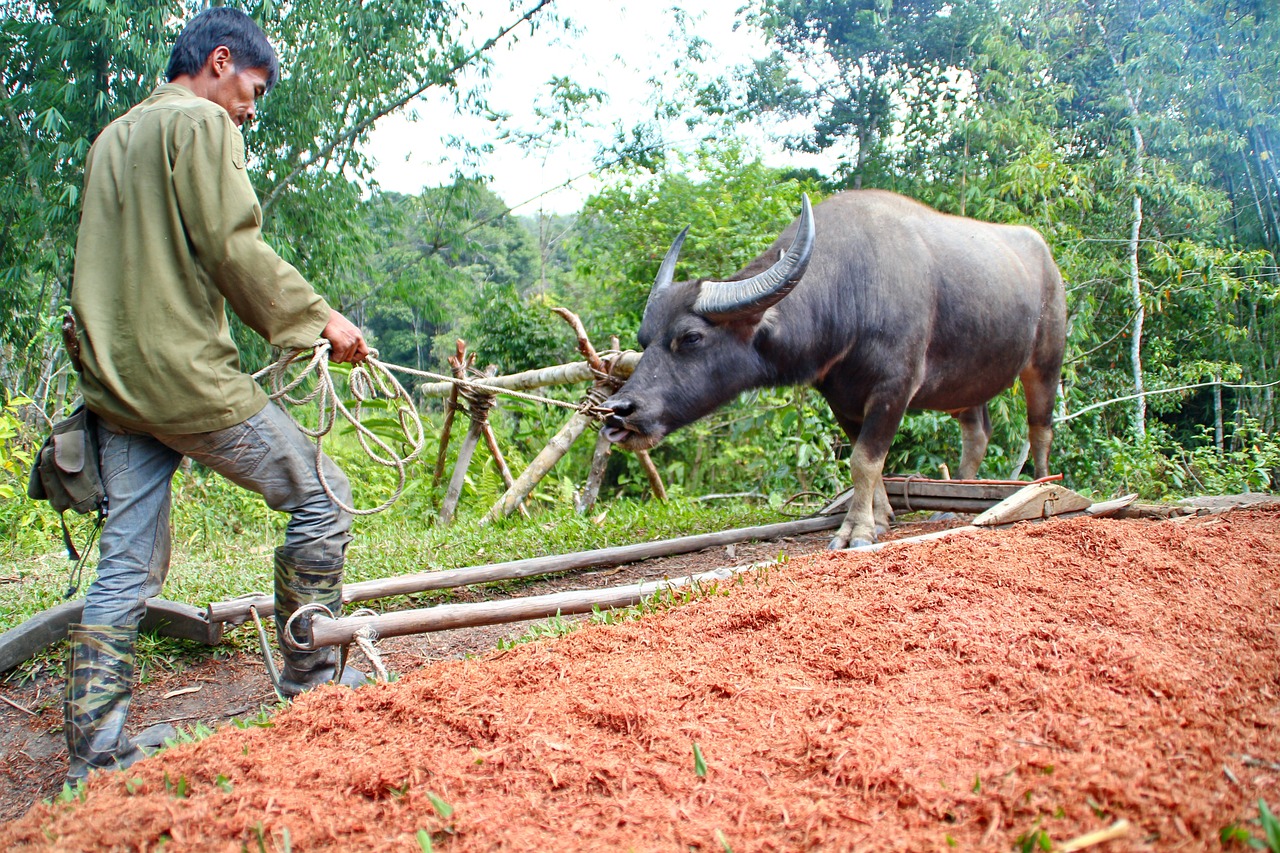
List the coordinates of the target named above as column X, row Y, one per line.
column 1011, row 689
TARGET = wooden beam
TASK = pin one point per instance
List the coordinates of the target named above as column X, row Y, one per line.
column 324, row 631
column 560, row 374
column 236, row 610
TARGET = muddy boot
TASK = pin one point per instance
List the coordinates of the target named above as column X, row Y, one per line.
column 100, row 668
column 302, row 581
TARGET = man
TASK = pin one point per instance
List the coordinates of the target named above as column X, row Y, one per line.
column 169, row 235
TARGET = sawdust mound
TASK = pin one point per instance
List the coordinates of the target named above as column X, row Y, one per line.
column 975, row 691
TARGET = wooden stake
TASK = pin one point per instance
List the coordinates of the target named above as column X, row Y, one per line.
column 459, row 477
column 457, row 364
column 492, row 441
column 651, row 471
column 599, row 462
column 479, row 423
column 542, row 464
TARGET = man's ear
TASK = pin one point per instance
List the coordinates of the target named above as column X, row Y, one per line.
column 219, row 61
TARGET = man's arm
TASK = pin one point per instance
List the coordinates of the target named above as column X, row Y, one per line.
column 223, row 222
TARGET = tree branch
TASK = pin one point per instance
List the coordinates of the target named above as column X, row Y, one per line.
column 435, row 78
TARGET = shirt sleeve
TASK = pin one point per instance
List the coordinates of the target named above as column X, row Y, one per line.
column 223, row 220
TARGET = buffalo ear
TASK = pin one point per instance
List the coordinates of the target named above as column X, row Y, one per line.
column 744, row 326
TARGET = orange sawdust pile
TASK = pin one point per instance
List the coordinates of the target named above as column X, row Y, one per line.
column 1031, row 684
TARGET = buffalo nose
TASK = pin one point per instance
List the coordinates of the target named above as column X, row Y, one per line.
column 620, row 406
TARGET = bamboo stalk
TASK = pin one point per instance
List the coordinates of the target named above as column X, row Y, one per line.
column 236, row 611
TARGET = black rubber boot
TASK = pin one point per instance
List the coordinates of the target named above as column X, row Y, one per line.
column 300, row 581
column 100, row 667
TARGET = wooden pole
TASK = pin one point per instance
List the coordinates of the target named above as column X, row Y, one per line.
column 450, row 408
column 555, row 450
column 507, row 479
column 651, row 471
column 236, row 611
column 459, row 477
column 332, row 632
column 479, row 412
column 456, row 364
column 528, row 380
column 325, row 631
column 595, row 477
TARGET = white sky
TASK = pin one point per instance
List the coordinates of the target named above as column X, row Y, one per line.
column 622, row 44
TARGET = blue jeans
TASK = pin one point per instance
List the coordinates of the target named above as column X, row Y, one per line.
column 267, row 454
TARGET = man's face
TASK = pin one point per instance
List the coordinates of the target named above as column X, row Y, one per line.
column 236, row 91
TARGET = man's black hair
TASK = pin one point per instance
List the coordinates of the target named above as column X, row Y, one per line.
column 223, row 26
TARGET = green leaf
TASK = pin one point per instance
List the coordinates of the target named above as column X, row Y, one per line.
column 699, row 764
column 1270, row 826
column 442, row 808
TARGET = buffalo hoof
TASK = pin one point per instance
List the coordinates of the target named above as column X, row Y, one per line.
column 840, row 543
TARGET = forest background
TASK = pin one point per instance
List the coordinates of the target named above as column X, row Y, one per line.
column 1139, row 136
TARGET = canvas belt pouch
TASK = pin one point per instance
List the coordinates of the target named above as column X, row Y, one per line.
column 66, row 472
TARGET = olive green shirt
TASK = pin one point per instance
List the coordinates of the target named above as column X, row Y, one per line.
column 169, row 235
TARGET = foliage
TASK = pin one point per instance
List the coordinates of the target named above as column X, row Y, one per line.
column 733, row 212
column 70, row 66
column 457, row 265
column 870, row 80
column 20, row 519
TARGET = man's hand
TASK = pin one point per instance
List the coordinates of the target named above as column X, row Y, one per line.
column 345, row 339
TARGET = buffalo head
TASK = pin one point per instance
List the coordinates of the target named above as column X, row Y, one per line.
column 698, row 340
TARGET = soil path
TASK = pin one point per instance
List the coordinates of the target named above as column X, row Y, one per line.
column 998, row 691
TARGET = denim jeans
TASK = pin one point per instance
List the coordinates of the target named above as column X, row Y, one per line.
column 267, row 454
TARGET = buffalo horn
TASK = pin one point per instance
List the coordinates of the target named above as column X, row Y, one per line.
column 728, row 300
column 667, row 272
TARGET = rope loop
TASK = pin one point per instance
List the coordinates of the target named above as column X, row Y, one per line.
column 368, row 382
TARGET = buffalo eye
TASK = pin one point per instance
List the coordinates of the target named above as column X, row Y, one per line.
column 688, row 340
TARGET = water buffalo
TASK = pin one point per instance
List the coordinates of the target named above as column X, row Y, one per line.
column 880, row 303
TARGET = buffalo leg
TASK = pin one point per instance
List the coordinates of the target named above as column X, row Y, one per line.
column 872, row 439
column 1040, row 398
column 975, row 433
column 1041, row 389
column 881, row 511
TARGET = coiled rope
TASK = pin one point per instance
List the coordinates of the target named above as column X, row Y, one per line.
column 372, row 379
column 367, row 381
